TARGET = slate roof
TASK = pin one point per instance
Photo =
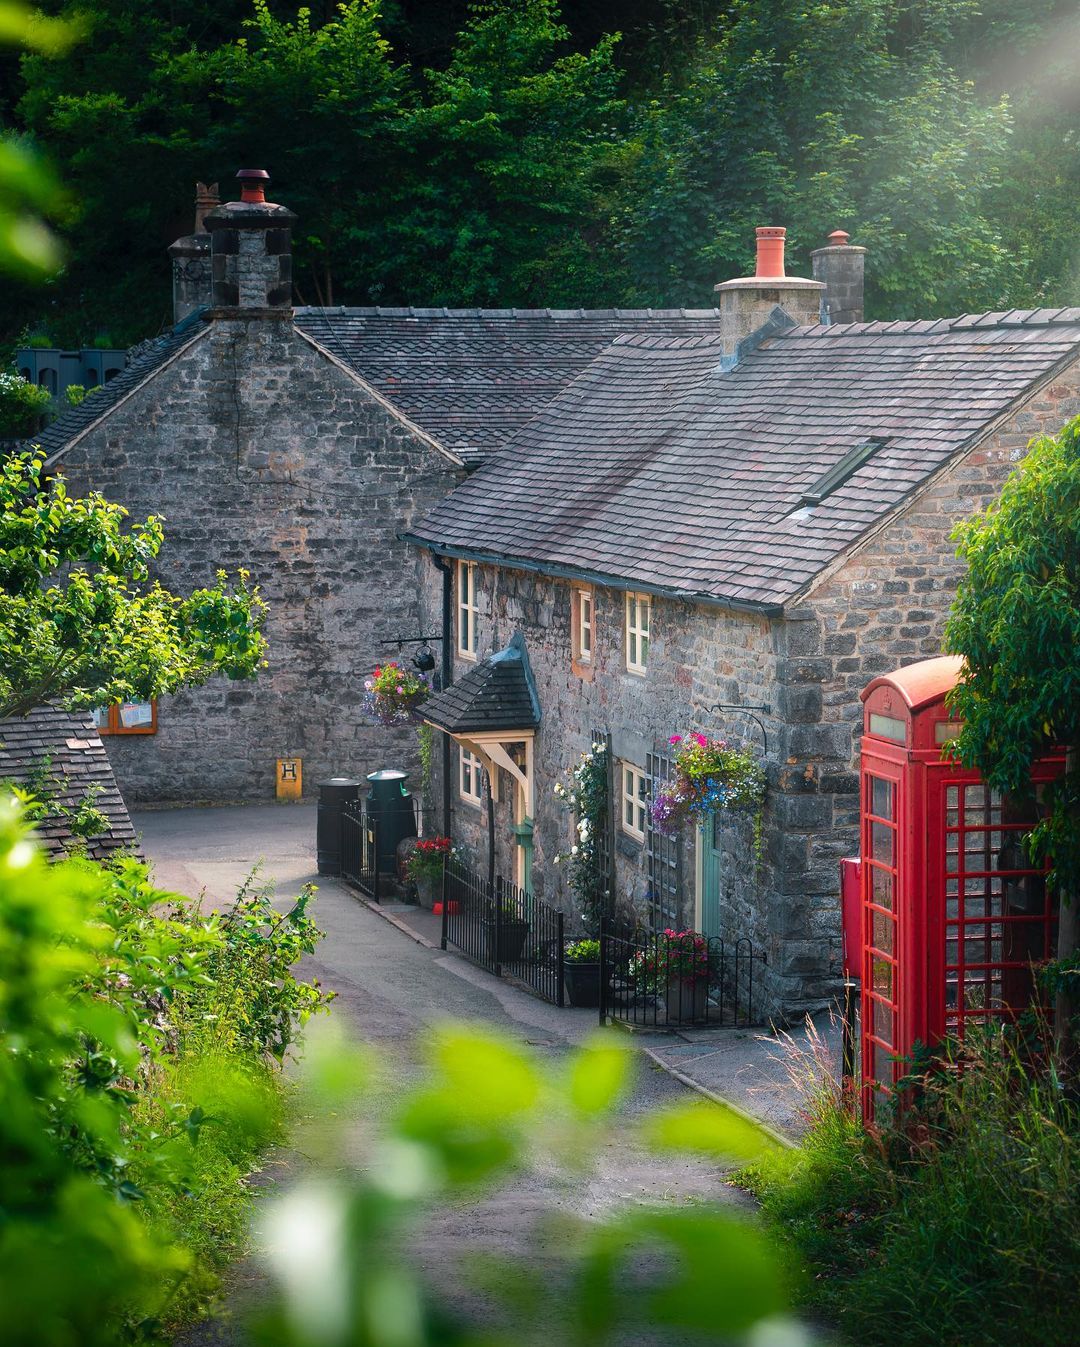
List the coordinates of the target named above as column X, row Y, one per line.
column 473, row 377
column 144, row 360
column 498, row 694
column 68, row 742
column 658, row 469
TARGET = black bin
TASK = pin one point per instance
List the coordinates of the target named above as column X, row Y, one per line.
column 332, row 795
column 391, row 806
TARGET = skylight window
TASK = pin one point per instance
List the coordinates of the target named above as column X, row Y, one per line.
column 837, row 475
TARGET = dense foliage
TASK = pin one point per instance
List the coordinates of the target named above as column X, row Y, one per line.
column 80, row 621
column 957, row 1224
column 22, row 405
column 137, row 1091
column 508, row 153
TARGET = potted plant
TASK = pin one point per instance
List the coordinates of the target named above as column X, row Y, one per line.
column 392, row 694
column 679, row 967
column 581, row 972
column 512, row 928
column 425, row 867
column 709, row 775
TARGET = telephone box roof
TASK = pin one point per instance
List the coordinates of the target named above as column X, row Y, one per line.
column 923, row 683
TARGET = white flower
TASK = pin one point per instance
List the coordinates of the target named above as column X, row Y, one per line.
column 574, row 851
column 557, row 859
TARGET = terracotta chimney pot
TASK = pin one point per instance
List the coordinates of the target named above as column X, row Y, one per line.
column 253, row 182
column 838, row 239
column 770, row 252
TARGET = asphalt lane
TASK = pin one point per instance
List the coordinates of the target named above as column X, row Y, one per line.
column 391, row 992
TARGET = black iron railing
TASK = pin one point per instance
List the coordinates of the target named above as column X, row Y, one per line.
column 664, row 982
column 504, row 929
column 359, row 848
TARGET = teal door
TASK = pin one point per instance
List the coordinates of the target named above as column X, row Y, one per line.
column 709, row 841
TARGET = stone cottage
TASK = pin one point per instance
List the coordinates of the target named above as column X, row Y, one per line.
column 301, row 444
column 731, row 533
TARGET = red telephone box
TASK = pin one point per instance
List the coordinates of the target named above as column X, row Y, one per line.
column 953, row 917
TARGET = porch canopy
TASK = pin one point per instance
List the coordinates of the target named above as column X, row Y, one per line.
column 494, row 711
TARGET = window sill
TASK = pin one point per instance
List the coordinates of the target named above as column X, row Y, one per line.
column 628, row 846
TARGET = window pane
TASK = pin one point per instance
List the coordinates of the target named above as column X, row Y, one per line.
column 881, row 797
column 133, row 715
column 644, row 650
column 632, row 649
column 100, row 717
column 881, row 842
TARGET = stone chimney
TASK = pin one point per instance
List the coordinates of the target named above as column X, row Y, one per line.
column 840, row 267
column 747, row 304
column 191, row 258
column 251, row 253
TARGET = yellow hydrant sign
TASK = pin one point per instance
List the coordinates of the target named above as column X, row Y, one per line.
column 290, row 778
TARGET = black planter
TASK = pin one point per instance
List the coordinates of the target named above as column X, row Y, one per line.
column 582, row 983
column 511, row 941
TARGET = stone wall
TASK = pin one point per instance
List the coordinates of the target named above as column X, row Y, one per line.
column 261, row 452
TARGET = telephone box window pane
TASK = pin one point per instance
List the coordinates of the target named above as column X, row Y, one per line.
column 883, row 1022
column 881, row 888
column 888, row 727
column 881, row 842
column 882, row 977
column 952, row 796
column 883, row 932
column 135, row 714
column 881, row 797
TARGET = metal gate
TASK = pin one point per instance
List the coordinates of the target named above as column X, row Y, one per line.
column 359, row 848
column 504, row 929
column 660, row 981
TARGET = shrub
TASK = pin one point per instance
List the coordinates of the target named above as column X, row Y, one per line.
column 22, row 405
column 428, row 857
column 958, row 1223
column 582, row 951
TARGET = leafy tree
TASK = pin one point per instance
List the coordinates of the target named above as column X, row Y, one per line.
column 80, row 621
column 1016, row 622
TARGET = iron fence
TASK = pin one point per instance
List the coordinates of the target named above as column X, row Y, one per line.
column 359, row 848
column 504, row 929
column 662, row 982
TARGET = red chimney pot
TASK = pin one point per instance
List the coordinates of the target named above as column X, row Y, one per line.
column 838, row 239
column 770, row 252
column 253, row 183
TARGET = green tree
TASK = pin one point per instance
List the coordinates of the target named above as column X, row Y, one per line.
column 1016, row 622
column 80, row 621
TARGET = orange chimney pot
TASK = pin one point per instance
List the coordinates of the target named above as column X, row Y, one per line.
column 770, row 252
column 838, row 239
column 253, row 182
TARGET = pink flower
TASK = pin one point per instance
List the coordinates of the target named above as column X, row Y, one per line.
column 675, row 739
column 699, row 739
column 400, row 689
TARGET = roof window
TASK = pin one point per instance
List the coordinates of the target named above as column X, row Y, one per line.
column 837, row 475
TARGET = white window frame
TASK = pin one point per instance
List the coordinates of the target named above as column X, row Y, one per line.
column 585, row 626
column 633, row 800
column 637, row 633
column 470, row 777
column 468, row 612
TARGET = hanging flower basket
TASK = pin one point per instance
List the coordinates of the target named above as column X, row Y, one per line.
column 392, row 694
column 709, row 776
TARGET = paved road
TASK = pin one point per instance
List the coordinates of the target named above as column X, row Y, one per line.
column 391, row 990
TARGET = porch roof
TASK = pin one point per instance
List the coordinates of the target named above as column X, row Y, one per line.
column 499, row 694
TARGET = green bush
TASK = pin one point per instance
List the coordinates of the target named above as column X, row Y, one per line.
column 135, row 1099
column 957, row 1223
column 22, row 405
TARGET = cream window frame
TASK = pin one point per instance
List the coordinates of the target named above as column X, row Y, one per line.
column 470, row 787
column 637, row 633
column 585, row 626
column 468, row 611
column 633, row 800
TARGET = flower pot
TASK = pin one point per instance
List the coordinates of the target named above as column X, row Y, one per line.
column 582, row 983
column 428, row 888
column 511, row 941
column 687, row 1001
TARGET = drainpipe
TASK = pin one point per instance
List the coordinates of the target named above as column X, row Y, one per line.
column 447, row 677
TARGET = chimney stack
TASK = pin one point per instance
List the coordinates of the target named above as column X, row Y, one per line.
column 747, row 304
column 251, row 253
column 840, row 266
column 191, row 258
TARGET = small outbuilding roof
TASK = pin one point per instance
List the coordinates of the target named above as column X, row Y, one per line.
column 664, row 468
column 499, row 694
column 59, row 755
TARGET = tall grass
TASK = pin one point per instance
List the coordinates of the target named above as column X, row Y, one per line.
column 956, row 1224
